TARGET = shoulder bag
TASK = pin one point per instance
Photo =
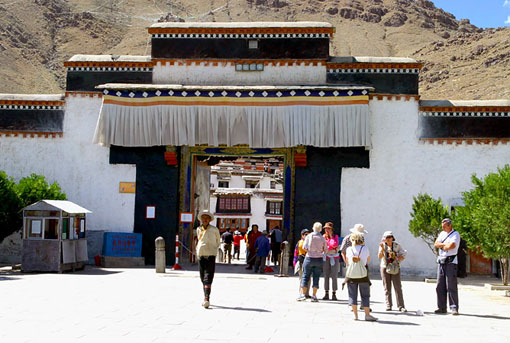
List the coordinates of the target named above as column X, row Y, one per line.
column 356, row 270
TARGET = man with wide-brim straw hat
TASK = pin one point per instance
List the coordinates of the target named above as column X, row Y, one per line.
column 357, row 228
column 207, row 249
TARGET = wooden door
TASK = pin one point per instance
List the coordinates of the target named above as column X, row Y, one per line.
column 479, row 264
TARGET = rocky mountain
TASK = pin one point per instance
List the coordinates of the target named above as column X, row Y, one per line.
column 460, row 60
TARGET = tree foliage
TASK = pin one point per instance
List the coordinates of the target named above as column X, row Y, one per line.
column 426, row 219
column 484, row 220
column 33, row 188
column 10, row 204
column 13, row 197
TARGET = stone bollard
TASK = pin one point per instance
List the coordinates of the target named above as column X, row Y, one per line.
column 284, row 260
column 160, row 255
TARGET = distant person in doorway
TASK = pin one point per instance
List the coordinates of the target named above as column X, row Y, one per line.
column 276, row 242
column 262, row 248
column 461, row 257
column 227, row 238
column 448, row 243
column 250, row 245
column 332, row 262
column 207, row 249
column 238, row 237
column 315, row 246
column 391, row 254
column 247, row 251
column 299, row 259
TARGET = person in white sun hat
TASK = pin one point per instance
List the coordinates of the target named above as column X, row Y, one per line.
column 346, row 242
column 207, row 249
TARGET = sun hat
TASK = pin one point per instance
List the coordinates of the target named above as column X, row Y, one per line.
column 207, row 213
column 358, row 228
column 328, row 225
column 387, row 234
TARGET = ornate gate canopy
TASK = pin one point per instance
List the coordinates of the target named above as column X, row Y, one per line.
column 258, row 116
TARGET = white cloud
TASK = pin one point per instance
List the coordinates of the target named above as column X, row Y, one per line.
column 506, row 3
column 507, row 20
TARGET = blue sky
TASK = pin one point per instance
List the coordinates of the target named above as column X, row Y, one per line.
column 482, row 13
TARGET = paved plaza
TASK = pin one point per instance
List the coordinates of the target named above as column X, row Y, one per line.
column 138, row 305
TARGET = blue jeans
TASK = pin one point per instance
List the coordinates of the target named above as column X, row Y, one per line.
column 312, row 267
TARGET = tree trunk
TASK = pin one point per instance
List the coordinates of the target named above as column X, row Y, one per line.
column 504, row 270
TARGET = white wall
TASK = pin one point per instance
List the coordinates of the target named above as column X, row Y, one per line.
column 401, row 167
column 225, row 74
column 81, row 168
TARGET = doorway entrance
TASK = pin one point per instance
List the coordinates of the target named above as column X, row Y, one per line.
column 240, row 186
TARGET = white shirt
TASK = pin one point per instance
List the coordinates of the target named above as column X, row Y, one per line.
column 454, row 236
column 355, row 251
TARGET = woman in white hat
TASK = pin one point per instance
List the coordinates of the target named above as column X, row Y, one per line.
column 391, row 254
column 207, row 248
column 346, row 242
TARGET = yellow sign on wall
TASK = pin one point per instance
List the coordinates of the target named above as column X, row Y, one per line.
column 127, row 187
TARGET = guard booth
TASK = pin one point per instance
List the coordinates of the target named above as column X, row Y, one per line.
column 54, row 236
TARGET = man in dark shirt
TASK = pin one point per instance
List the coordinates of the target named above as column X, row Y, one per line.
column 250, row 245
column 227, row 238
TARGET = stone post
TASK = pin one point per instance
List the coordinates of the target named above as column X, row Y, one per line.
column 160, row 255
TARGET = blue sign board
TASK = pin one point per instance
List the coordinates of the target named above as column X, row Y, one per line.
column 121, row 244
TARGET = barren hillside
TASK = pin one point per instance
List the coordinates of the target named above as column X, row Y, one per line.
column 461, row 60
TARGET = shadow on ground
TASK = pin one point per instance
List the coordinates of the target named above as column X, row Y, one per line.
column 238, row 308
column 391, row 322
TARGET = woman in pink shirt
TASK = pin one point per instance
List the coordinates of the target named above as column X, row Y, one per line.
column 331, row 265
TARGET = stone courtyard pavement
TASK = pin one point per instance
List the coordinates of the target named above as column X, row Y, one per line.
column 138, row 305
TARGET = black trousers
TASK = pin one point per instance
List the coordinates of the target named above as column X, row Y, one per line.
column 276, row 251
column 207, row 265
column 447, row 286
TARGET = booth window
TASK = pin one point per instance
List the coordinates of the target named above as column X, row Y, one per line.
column 65, row 228
column 82, row 227
column 34, row 228
column 50, row 228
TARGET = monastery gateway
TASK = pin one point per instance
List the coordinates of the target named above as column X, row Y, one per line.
column 131, row 138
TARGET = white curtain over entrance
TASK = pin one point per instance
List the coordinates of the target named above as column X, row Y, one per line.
column 256, row 126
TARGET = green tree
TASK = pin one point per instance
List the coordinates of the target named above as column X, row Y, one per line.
column 426, row 219
column 10, row 204
column 33, row 188
column 484, row 220
column 13, row 197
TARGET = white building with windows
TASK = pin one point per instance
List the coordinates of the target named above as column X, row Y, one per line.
column 246, row 192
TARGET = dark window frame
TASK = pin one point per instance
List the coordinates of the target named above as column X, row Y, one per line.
column 233, row 204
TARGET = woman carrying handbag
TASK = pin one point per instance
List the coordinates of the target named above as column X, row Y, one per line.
column 356, row 276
